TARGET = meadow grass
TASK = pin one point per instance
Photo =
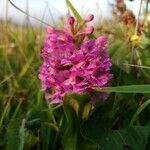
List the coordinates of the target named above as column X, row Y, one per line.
column 27, row 122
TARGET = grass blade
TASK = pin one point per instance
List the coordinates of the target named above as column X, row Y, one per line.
column 26, row 67
column 140, row 109
column 126, row 89
column 7, row 78
column 74, row 11
column 15, row 135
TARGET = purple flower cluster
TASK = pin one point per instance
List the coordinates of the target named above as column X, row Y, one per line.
column 72, row 63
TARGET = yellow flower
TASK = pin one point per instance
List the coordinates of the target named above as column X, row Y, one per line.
column 135, row 39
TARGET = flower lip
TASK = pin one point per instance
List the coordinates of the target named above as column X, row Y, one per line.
column 64, row 67
column 79, row 79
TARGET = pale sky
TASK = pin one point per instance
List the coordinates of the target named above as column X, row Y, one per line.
column 100, row 8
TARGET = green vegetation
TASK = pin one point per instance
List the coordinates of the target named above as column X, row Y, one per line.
column 122, row 122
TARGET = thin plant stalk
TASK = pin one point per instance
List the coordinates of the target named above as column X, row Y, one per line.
column 51, row 15
column 135, row 33
column 138, row 18
column 27, row 14
column 58, row 132
column 6, row 15
column 138, row 66
column 147, row 6
column 140, row 109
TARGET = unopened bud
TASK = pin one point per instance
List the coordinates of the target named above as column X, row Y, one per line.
column 87, row 30
column 89, row 18
column 71, row 20
column 50, row 30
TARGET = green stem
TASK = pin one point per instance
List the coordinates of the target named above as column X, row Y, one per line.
column 27, row 14
column 135, row 33
column 52, row 115
column 146, row 6
column 7, row 107
column 16, row 111
column 138, row 18
column 57, row 134
column 140, row 109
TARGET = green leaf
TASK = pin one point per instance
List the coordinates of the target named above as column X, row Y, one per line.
column 75, row 108
column 74, row 11
column 30, row 140
column 97, row 129
column 134, row 138
column 126, row 89
column 88, row 145
column 15, row 135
